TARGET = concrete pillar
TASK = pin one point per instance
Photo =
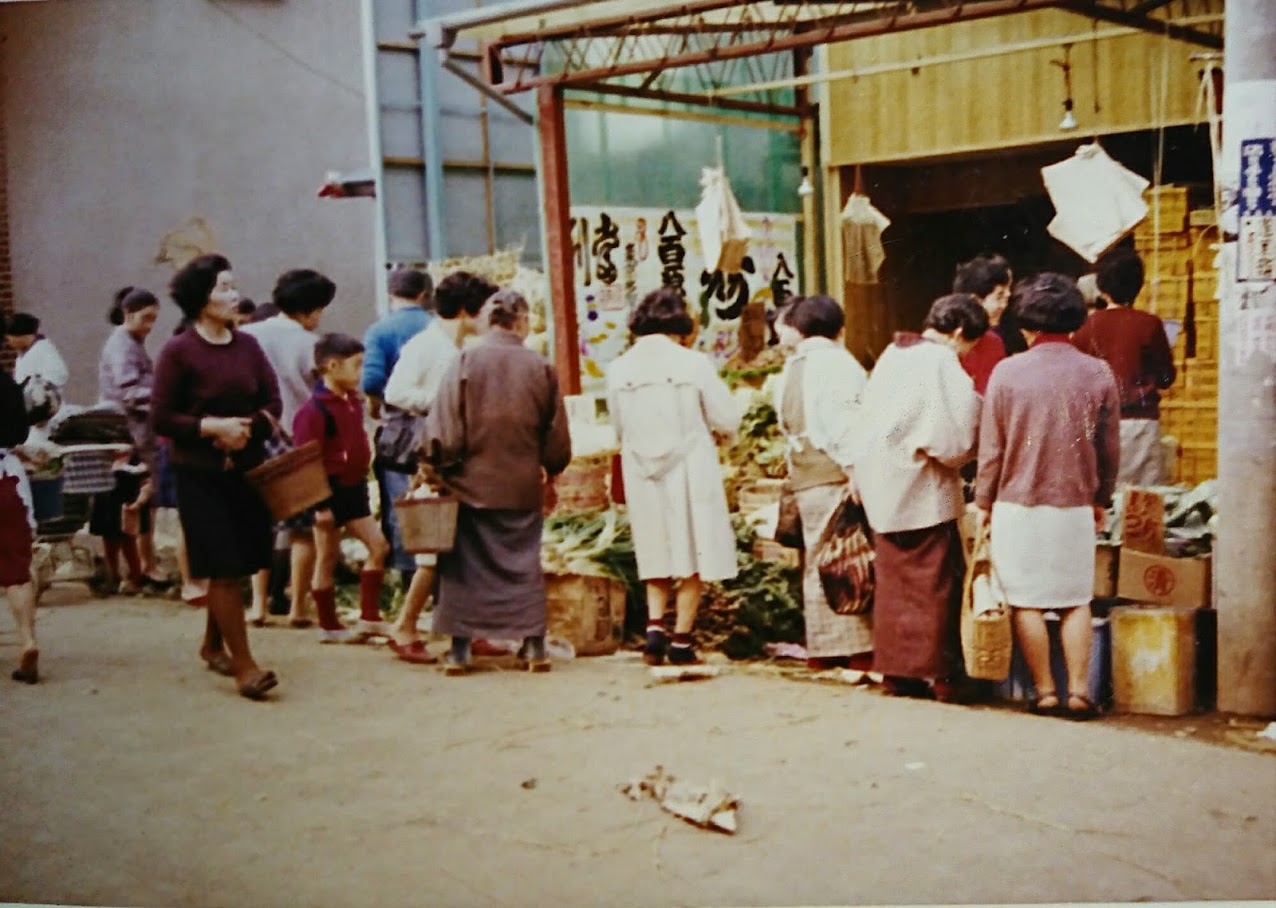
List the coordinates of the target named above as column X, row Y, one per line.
column 1245, row 568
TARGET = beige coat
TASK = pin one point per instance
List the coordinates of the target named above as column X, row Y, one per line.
column 665, row 403
column 919, row 423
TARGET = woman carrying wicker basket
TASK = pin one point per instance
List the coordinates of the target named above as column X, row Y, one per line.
column 1049, row 449
column 212, row 388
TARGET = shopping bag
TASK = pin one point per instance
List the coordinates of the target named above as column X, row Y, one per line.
column 844, row 559
column 986, row 634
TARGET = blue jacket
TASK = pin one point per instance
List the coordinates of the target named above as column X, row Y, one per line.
column 383, row 342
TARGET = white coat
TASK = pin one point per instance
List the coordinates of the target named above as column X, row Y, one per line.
column 665, row 403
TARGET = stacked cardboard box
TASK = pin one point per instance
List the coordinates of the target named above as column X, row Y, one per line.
column 1182, row 285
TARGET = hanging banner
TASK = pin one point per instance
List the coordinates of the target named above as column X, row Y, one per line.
column 622, row 254
column 1256, row 258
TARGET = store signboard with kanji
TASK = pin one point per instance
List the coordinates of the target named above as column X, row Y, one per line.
column 621, row 254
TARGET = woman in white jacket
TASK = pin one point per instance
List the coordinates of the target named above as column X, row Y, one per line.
column 920, row 419
column 667, row 403
column 817, row 400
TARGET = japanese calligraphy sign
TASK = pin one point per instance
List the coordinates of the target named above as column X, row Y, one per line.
column 621, row 254
column 1256, row 258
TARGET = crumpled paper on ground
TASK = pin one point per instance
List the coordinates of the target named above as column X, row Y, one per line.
column 709, row 807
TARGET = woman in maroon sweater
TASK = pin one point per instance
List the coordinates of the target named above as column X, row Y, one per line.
column 213, row 386
column 1049, row 448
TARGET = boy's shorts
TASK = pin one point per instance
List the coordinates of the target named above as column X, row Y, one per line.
column 347, row 502
column 16, row 537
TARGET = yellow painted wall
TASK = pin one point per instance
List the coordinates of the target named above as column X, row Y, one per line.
column 1005, row 101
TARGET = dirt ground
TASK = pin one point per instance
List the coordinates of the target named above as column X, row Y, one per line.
column 133, row 776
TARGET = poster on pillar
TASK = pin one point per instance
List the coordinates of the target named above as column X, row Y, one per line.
column 622, row 254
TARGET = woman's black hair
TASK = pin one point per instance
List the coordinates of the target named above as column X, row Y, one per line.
column 246, row 307
column 958, row 310
column 662, row 311
column 1051, row 303
column 192, row 284
column 302, row 291
column 21, row 324
column 335, row 346
column 462, row 292
column 1120, row 275
column 505, row 308
column 817, row 316
column 981, row 275
column 130, row 300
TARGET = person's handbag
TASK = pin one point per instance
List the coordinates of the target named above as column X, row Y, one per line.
column 844, row 558
column 788, row 525
column 398, row 440
column 986, row 635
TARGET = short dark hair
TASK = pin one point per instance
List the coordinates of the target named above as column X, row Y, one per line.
column 335, row 346
column 246, row 306
column 958, row 310
column 302, row 291
column 1120, row 275
column 981, row 275
column 264, row 311
column 817, row 316
column 408, row 284
column 130, row 300
column 192, row 284
column 505, row 308
column 1051, row 303
column 462, row 291
column 21, row 324
column 662, row 311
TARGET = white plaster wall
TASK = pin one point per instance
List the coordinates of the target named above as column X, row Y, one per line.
column 125, row 118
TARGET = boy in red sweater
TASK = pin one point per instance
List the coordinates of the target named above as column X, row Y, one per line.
column 333, row 417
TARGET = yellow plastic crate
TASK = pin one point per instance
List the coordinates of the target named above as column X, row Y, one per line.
column 1191, row 422
column 1204, row 288
column 1197, row 463
column 1165, row 296
column 1171, row 202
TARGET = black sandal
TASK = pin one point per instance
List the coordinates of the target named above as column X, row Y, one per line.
column 1088, row 710
column 1035, row 707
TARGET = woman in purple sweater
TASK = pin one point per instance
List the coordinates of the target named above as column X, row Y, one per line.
column 213, row 386
column 1049, row 448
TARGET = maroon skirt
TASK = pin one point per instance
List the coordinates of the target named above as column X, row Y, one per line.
column 917, row 605
column 15, row 535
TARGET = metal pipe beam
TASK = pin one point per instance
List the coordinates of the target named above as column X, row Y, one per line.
column 1096, row 10
column 479, row 85
column 559, row 265
column 819, row 35
column 629, row 91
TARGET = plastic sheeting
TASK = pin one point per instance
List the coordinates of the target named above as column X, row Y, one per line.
column 1096, row 200
column 862, row 250
column 724, row 234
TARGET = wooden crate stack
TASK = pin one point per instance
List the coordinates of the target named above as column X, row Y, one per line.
column 1182, row 284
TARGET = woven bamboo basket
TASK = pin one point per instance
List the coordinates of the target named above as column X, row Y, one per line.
column 292, row 482
column 987, row 639
column 427, row 526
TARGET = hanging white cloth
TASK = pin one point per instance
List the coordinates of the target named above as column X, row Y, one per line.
column 862, row 250
column 1096, row 200
column 724, row 234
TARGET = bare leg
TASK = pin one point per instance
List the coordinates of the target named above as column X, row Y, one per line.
column 146, row 550
column 688, row 598
column 22, row 600
column 367, row 531
column 419, row 590
column 657, row 598
column 303, row 568
column 261, row 596
column 1077, row 637
column 213, row 644
column 226, row 608
column 1030, row 628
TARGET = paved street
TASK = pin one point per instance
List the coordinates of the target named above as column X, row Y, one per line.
column 134, row 776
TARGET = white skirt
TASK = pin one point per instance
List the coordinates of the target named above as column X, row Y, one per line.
column 1043, row 556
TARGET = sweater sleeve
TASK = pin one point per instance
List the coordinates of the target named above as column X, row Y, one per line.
column 168, row 415
column 1107, row 440
column 405, row 388
column 956, row 424
column 308, row 425
column 375, row 363
column 1159, row 362
column 443, row 437
column 556, row 445
column 720, row 409
column 268, row 399
column 837, row 407
column 992, row 447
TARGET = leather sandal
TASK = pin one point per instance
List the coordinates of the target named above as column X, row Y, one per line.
column 1087, row 711
column 256, row 688
column 1035, row 707
column 28, row 670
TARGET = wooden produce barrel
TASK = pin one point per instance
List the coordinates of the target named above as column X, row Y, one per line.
column 582, row 486
column 588, row 611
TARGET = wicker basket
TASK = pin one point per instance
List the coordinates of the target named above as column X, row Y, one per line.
column 427, row 526
column 986, row 639
column 292, row 482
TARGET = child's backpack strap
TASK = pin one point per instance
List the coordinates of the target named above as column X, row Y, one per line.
column 329, row 421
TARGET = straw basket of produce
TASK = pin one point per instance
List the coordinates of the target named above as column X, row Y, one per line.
column 427, row 521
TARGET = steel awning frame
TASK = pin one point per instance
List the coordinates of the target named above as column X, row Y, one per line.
column 629, row 47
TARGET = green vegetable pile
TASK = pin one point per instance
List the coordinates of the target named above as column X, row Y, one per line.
column 759, row 448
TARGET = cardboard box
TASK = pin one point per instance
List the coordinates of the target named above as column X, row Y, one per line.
column 770, row 550
column 1105, row 570
column 1154, row 659
column 1162, row 580
column 1143, row 521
